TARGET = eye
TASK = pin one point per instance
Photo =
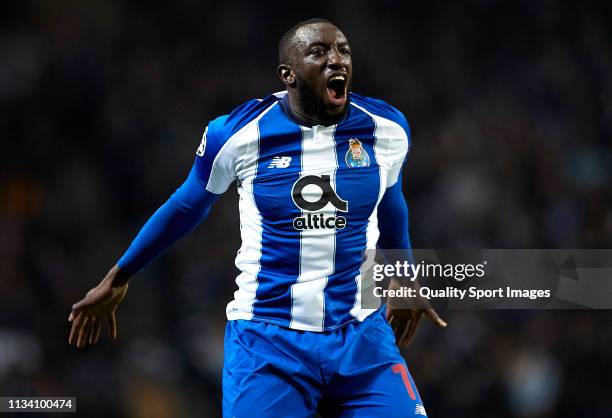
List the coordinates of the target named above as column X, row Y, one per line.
column 317, row 52
column 345, row 51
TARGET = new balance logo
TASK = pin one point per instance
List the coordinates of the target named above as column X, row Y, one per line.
column 420, row 410
column 280, row 162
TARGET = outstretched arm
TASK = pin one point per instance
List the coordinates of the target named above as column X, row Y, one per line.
column 185, row 209
column 393, row 226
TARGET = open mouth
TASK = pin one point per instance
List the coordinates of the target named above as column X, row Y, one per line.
column 336, row 89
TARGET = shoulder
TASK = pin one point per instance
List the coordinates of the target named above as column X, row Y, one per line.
column 221, row 129
column 218, row 156
column 381, row 109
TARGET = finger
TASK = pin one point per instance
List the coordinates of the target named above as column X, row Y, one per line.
column 404, row 332
column 96, row 333
column 414, row 319
column 75, row 309
column 112, row 323
column 83, row 333
column 433, row 315
column 79, row 305
column 94, row 324
column 400, row 329
column 396, row 326
column 414, row 324
column 74, row 330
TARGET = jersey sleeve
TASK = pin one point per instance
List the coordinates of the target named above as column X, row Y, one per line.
column 398, row 149
column 215, row 161
column 393, row 218
column 182, row 212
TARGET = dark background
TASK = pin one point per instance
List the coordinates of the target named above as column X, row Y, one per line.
column 102, row 106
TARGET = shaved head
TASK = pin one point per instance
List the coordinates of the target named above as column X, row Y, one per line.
column 286, row 44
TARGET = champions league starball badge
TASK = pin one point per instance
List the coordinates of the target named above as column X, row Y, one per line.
column 356, row 156
column 202, row 147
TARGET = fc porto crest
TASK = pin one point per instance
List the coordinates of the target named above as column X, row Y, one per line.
column 356, row 156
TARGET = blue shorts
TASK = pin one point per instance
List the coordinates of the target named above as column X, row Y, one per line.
column 355, row 371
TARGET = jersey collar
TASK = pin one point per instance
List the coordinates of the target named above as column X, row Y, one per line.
column 284, row 103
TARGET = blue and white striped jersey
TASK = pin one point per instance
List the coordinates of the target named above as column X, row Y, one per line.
column 308, row 205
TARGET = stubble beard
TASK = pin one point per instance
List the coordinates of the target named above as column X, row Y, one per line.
column 312, row 103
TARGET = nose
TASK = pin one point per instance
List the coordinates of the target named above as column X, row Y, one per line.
column 335, row 60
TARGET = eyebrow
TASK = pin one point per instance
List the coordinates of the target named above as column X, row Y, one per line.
column 323, row 44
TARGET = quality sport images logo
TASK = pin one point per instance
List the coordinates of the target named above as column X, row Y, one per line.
column 311, row 194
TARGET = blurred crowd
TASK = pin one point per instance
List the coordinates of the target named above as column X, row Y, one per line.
column 103, row 104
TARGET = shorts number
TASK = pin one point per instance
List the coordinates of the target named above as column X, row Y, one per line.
column 400, row 368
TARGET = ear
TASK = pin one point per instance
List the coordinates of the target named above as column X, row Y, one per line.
column 285, row 73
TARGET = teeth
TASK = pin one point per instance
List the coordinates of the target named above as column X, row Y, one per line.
column 337, row 77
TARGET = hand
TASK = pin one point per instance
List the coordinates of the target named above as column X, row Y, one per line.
column 405, row 322
column 96, row 309
column 405, row 315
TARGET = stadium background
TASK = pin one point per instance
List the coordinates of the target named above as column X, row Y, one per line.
column 103, row 104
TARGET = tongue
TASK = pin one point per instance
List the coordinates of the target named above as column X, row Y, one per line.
column 336, row 97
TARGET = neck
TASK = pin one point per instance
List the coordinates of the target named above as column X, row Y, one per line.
column 311, row 115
